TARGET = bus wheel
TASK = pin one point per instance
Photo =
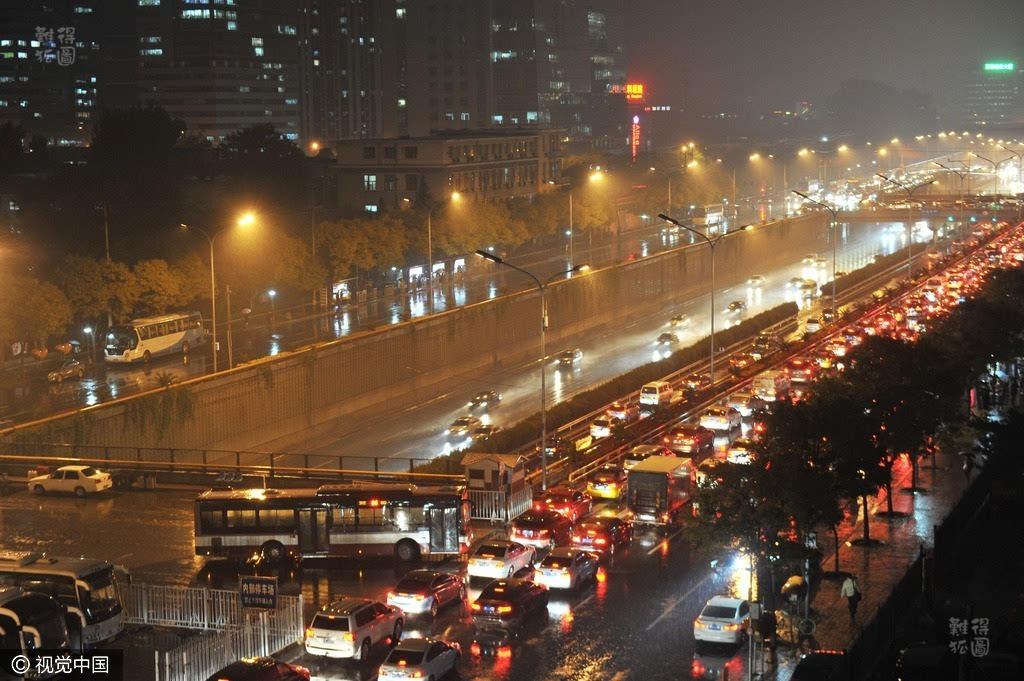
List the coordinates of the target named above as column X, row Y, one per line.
column 184, row 348
column 272, row 552
column 146, row 356
column 407, row 550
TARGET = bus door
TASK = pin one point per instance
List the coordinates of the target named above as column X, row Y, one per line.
column 444, row 529
column 313, row 531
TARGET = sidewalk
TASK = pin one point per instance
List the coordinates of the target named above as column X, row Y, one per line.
column 879, row 568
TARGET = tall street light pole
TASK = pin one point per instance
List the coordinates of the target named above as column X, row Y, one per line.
column 995, row 169
column 962, row 175
column 1018, row 155
column 910, row 223
column 712, row 243
column 430, row 256
column 542, row 287
column 835, row 239
column 245, row 220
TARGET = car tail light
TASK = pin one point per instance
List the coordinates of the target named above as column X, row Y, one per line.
column 474, row 648
column 664, row 517
column 613, row 485
column 731, row 627
column 538, row 507
column 504, row 608
column 600, row 542
column 417, row 675
column 418, row 597
column 401, row 663
column 667, row 440
column 309, row 632
column 544, row 533
column 575, row 537
column 476, row 606
column 350, row 637
column 699, row 624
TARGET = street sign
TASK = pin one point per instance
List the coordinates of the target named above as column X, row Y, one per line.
column 258, row 592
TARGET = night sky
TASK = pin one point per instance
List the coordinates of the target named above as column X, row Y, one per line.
column 716, row 53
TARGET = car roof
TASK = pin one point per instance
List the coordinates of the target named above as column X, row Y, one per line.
column 563, row 552
column 726, row 601
column 73, row 468
column 418, row 645
column 422, row 572
column 244, row 667
column 344, row 606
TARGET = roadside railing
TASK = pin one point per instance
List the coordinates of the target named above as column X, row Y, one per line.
column 237, row 633
column 499, row 506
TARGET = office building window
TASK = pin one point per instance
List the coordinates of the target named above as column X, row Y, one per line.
column 412, row 183
column 410, row 152
column 369, row 152
column 369, row 183
column 370, row 208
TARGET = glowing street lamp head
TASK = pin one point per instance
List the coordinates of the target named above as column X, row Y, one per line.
column 755, row 156
column 271, row 293
column 246, row 219
column 691, row 164
column 883, row 151
column 87, row 330
column 842, row 147
column 456, row 196
column 314, row 147
column 802, row 152
column 596, row 176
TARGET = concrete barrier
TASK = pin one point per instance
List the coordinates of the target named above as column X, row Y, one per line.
column 282, row 402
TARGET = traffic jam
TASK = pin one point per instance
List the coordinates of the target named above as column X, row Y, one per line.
column 635, row 493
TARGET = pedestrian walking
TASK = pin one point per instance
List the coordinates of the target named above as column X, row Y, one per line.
column 851, row 592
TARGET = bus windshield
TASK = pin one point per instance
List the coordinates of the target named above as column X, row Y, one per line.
column 100, row 600
column 122, row 337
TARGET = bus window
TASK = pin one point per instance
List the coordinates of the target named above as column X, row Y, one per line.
column 273, row 518
column 376, row 519
column 210, row 521
column 408, row 518
column 237, row 519
column 343, row 519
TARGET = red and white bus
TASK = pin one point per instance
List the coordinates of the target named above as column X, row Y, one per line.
column 404, row 520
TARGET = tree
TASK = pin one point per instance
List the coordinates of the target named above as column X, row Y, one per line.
column 135, row 141
column 31, row 310
column 96, row 288
column 160, row 287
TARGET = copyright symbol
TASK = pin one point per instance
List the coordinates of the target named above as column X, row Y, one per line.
column 20, row 664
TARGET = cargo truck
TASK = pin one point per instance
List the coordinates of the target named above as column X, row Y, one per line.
column 659, row 489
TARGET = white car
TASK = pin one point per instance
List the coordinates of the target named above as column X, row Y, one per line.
column 721, row 418
column 78, row 480
column 723, row 620
column 500, row 558
column 745, row 403
column 813, row 325
column 566, row 568
column 755, row 281
column 420, row 658
column 602, row 427
column 464, row 425
column 351, row 626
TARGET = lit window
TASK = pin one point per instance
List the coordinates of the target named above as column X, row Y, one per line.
column 400, row 13
column 401, row 103
column 257, row 42
column 83, row 10
column 370, row 208
column 243, row 88
column 258, row 51
column 369, row 183
column 232, row 26
column 151, row 52
column 149, row 3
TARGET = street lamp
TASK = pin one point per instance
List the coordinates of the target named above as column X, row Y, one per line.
column 995, row 169
column 835, row 239
column 271, row 294
column 542, row 287
column 713, row 243
column 910, row 223
column 962, row 175
column 92, row 343
column 430, row 255
column 244, row 220
column 1018, row 155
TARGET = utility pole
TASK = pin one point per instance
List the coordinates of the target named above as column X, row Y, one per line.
column 231, row 358
column 106, row 242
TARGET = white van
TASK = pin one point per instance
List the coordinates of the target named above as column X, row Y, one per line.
column 770, row 385
column 657, row 394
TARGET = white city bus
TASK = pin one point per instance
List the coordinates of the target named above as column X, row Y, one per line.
column 406, row 521
column 85, row 588
column 154, row 336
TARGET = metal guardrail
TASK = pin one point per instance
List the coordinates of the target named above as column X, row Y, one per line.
column 172, row 466
column 239, row 633
column 498, row 506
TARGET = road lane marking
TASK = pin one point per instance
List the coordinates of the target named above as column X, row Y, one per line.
column 665, row 542
column 676, row 602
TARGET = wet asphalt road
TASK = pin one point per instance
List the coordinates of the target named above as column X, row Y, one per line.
column 634, row 621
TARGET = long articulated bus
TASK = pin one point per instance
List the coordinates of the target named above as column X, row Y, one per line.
column 403, row 520
column 85, row 588
column 143, row 339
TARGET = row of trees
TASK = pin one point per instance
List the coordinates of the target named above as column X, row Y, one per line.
column 838, row 446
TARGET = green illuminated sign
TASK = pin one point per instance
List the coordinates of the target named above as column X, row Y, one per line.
column 999, row 66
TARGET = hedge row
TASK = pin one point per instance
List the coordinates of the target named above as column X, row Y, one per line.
column 527, row 430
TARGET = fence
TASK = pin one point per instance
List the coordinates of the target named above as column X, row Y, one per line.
column 488, row 505
column 230, row 632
